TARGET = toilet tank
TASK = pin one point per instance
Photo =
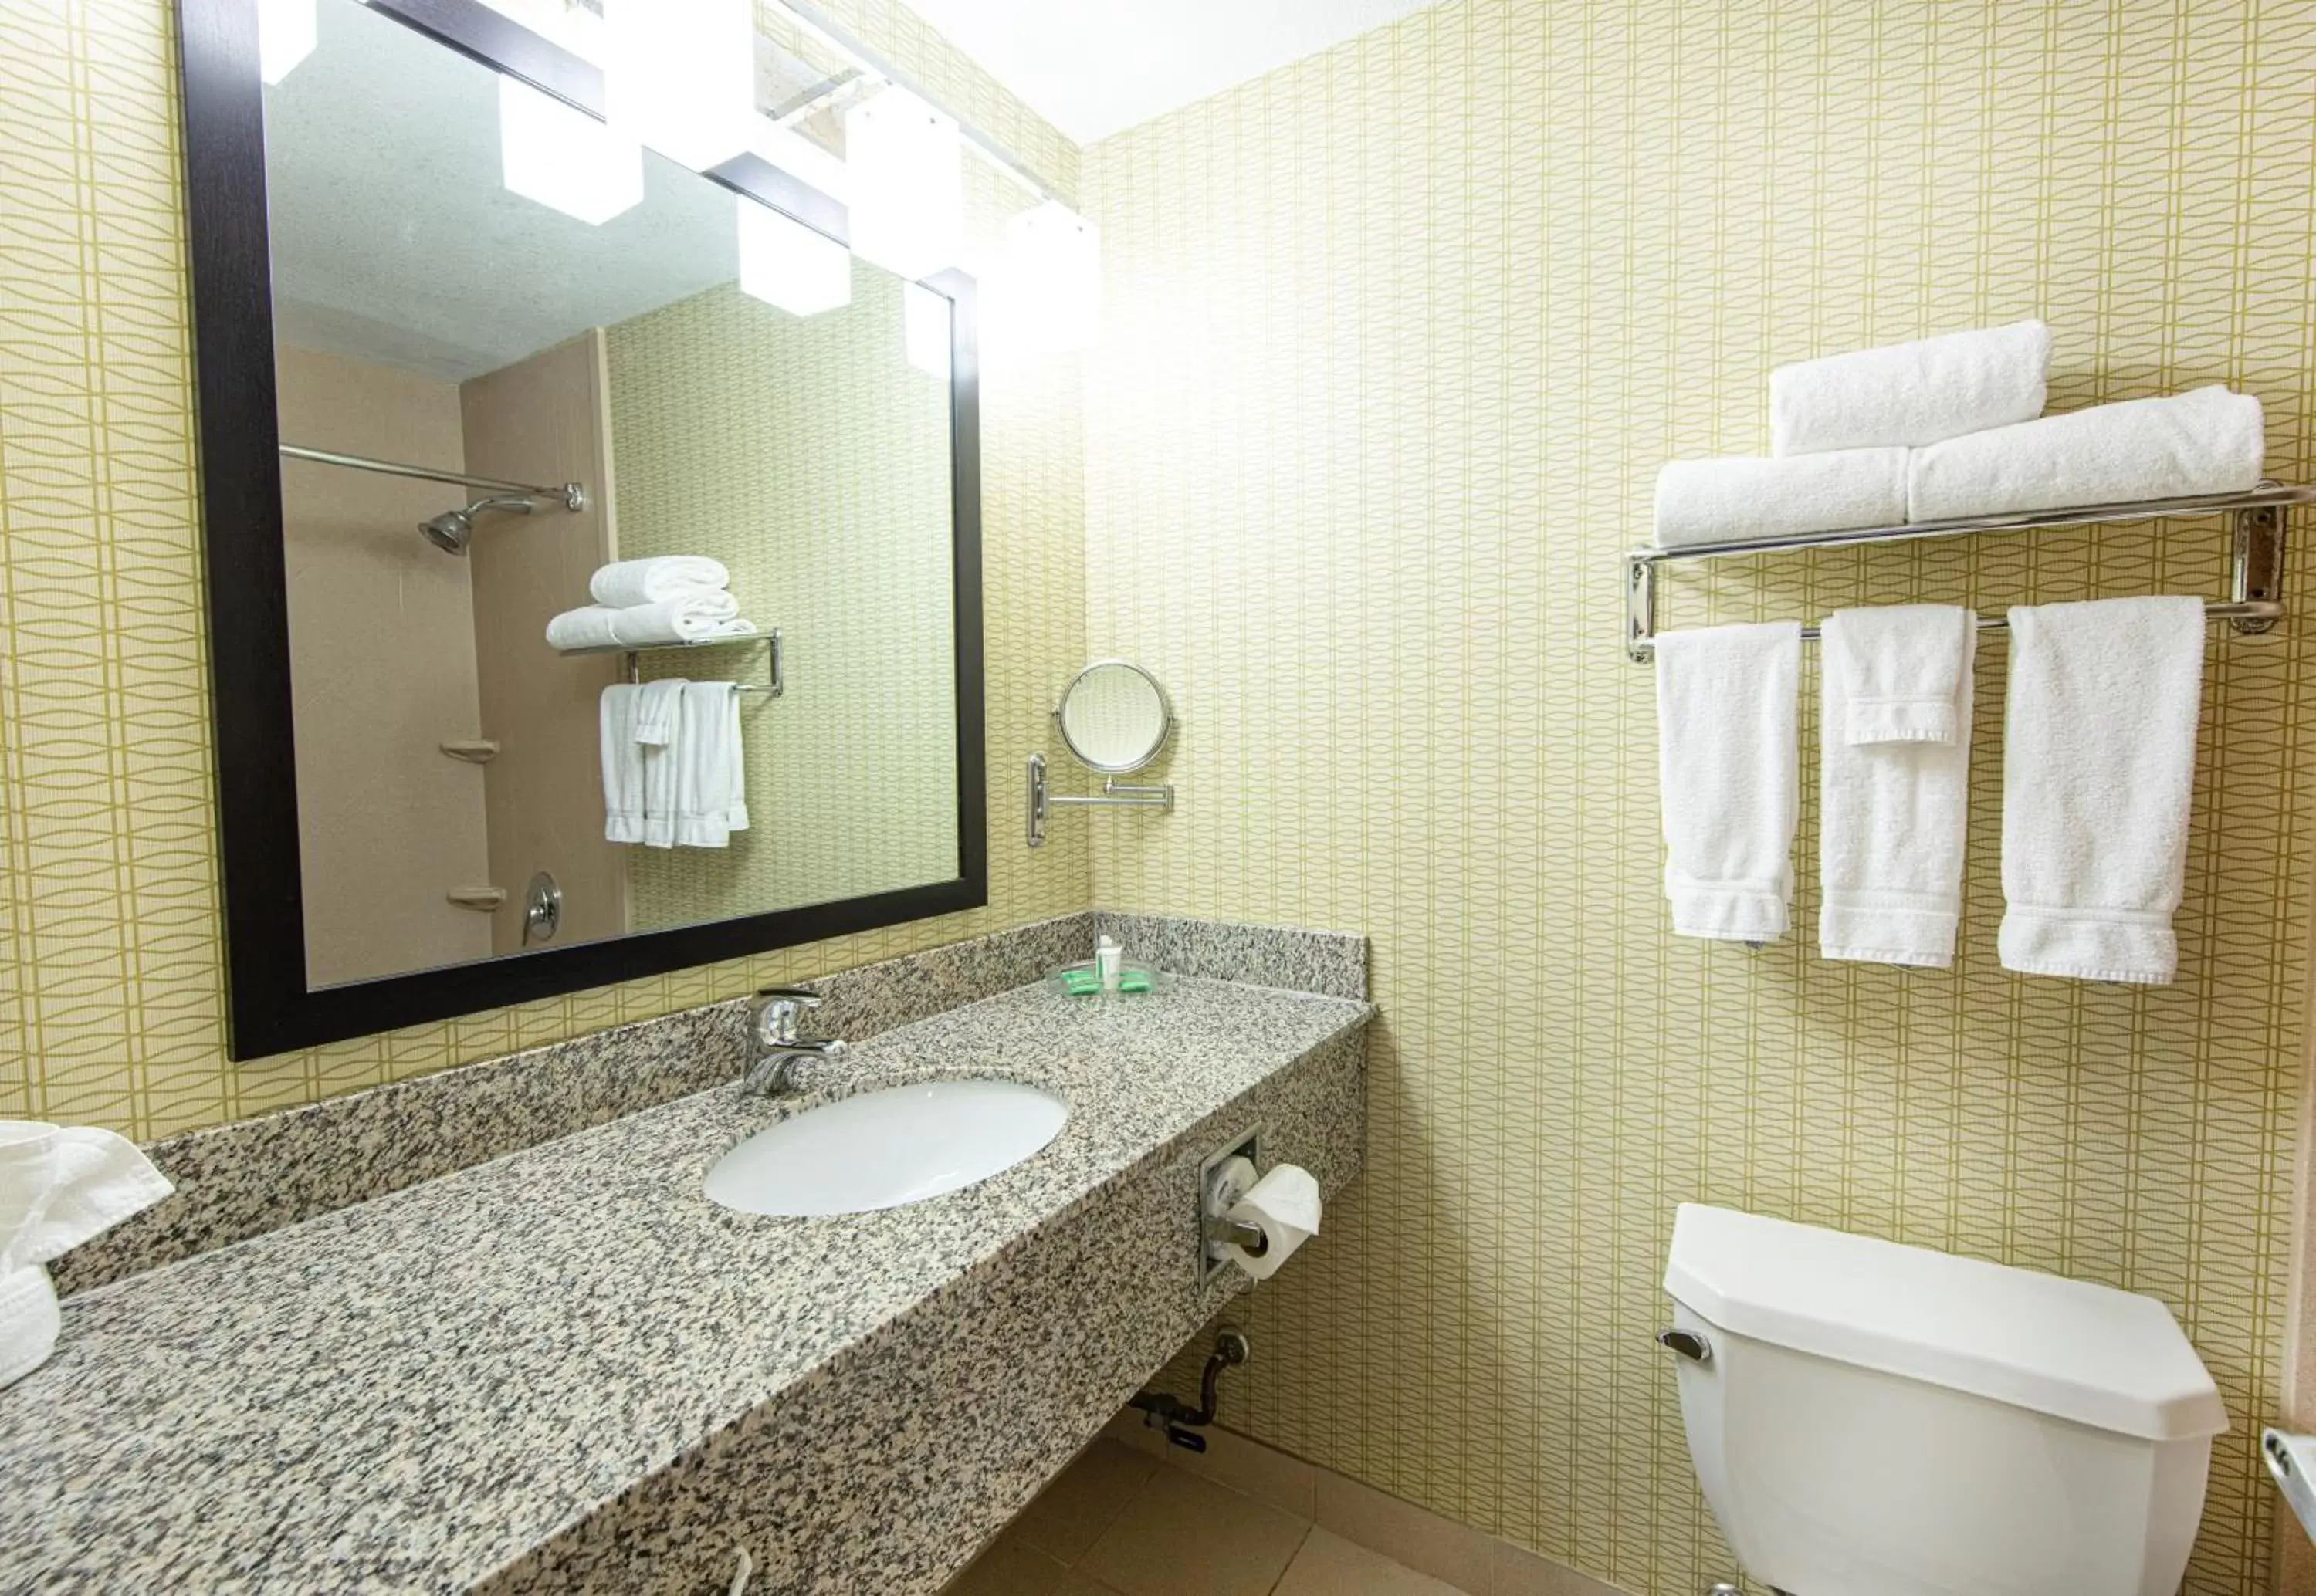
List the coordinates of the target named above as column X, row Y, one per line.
column 1868, row 1419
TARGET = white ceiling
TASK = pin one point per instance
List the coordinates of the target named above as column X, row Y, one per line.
column 1094, row 68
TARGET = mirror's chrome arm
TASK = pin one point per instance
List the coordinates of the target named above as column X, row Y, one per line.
column 1115, row 794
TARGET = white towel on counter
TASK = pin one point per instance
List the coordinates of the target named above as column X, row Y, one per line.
column 711, row 789
column 626, row 583
column 1911, row 393
column 623, row 764
column 2207, row 441
column 1729, row 778
column 1893, row 811
column 2099, row 770
column 1743, row 497
column 59, row 1187
column 1905, row 670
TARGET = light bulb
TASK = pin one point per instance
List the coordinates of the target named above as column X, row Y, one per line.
column 925, row 330
column 907, row 180
column 286, row 35
column 561, row 157
column 1046, row 297
column 785, row 263
column 680, row 76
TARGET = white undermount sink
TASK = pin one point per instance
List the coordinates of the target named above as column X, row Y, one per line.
column 884, row 1149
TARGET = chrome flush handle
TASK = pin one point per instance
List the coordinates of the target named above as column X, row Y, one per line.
column 1689, row 1344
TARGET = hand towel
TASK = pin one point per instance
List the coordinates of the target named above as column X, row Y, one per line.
column 59, row 1187
column 2098, row 769
column 1728, row 778
column 1905, row 668
column 626, row 583
column 659, row 731
column 708, row 777
column 1741, row 498
column 1892, row 812
column 623, row 763
column 1911, row 393
column 2207, row 441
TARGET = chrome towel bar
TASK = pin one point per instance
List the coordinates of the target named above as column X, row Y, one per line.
column 2255, row 600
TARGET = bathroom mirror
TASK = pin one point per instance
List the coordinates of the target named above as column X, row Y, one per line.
column 1115, row 718
column 460, row 347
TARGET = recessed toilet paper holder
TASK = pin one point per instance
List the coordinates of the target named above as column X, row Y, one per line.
column 1216, row 1229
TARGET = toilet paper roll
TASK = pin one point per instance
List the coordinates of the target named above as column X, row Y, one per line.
column 1286, row 1203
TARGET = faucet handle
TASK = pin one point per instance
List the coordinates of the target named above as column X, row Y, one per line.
column 777, row 1008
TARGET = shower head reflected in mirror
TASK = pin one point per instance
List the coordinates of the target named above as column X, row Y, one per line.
column 454, row 529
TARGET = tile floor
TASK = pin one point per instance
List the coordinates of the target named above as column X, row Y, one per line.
column 1119, row 1521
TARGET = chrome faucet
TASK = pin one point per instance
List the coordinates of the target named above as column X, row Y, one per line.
column 778, row 1046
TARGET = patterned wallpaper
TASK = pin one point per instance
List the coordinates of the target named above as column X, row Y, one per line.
column 111, row 982
column 814, row 460
column 1398, row 337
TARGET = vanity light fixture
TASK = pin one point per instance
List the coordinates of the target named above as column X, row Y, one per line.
column 925, row 330
column 286, row 35
column 680, row 76
column 906, row 171
column 562, row 157
column 786, row 264
column 1048, row 299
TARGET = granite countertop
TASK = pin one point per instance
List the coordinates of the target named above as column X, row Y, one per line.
column 413, row 1392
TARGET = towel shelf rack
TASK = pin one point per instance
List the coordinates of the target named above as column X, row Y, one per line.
column 775, row 672
column 2255, row 600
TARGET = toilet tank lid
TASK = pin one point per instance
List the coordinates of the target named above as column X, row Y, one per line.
column 2087, row 1353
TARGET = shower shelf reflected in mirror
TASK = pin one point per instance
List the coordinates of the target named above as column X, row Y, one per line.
column 775, row 672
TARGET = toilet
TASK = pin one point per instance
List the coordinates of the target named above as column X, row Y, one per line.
column 1868, row 1419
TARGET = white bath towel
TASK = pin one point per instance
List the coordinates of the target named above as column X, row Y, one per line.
column 1904, row 667
column 2207, row 441
column 626, row 583
column 1911, row 393
column 659, row 735
column 1894, row 811
column 59, row 1187
column 694, row 618
column 1742, row 498
column 710, row 792
column 2098, row 769
column 623, row 763
column 1728, row 776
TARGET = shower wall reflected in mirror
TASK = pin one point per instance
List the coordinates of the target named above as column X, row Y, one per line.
column 483, row 399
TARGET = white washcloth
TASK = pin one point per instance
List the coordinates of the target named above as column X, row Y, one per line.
column 2207, row 441
column 1905, row 669
column 1741, row 498
column 623, row 764
column 625, row 583
column 1911, row 393
column 1894, row 811
column 660, row 729
column 59, row 1187
column 1729, row 776
column 2099, row 771
column 710, row 786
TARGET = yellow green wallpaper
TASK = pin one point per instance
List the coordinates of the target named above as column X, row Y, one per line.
column 1398, row 338
column 813, row 459
column 112, row 980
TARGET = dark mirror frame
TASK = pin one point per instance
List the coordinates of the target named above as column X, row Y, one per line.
column 272, row 1009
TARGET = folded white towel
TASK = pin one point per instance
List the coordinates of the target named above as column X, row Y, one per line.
column 1903, row 667
column 2207, row 441
column 59, row 1187
column 626, row 583
column 1728, row 776
column 2099, row 771
column 1741, row 498
column 659, row 731
column 1893, row 811
column 694, row 619
column 709, row 784
column 1911, row 393
column 623, row 763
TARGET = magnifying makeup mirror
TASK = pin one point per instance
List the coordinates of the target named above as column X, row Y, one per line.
column 1114, row 718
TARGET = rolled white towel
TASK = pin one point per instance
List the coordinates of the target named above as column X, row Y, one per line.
column 589, row 627
column 2207, row 441
column 1743, row 498
column 694, row 619
column 626, row 583
column 1911, row 393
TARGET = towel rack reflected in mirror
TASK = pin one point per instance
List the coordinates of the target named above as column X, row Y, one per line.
column 775, row 671
column 2255, row 600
